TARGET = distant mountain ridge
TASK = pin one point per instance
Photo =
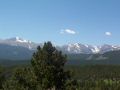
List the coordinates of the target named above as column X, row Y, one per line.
column 17, row 41
column 18, row 48
column 78, row 48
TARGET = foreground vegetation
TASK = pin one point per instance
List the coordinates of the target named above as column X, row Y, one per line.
column 47, row 71
column 96, row 77
column 89, row 77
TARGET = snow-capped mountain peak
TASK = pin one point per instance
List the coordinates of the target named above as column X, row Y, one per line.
column 75, row 48
column 89, row 49
column 18, row 39
column 95, row 49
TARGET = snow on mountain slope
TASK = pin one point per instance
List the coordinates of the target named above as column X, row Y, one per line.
column 16, row 41
column 75, row 48
column 88, row 49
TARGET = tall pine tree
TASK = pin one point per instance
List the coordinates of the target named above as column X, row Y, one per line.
column 48, row 65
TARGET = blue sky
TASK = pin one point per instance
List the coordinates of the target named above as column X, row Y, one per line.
column 61, row 21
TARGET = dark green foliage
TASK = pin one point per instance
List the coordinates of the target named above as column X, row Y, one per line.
column 48, row 65
column 97, row 77
column 2, row 77
column 45, row 73
column 22, row 79
column 71, row 85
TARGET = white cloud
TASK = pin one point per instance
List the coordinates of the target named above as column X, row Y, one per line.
column 108, row 33
column 68, row 31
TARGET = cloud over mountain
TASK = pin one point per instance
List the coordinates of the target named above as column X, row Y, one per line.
column 108, row 33
column 68, row 31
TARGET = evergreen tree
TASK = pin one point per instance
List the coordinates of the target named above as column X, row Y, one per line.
column 48, row 65
column 22, row 79
column 45, row 73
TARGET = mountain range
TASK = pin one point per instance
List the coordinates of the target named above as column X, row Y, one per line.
column 17, row 48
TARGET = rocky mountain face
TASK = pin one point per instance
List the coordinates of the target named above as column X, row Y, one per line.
column 88, row 49
column 16, row 41
column 18, row 48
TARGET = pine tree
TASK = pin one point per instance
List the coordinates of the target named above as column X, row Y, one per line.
column 48, row 65
column 45, row 73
